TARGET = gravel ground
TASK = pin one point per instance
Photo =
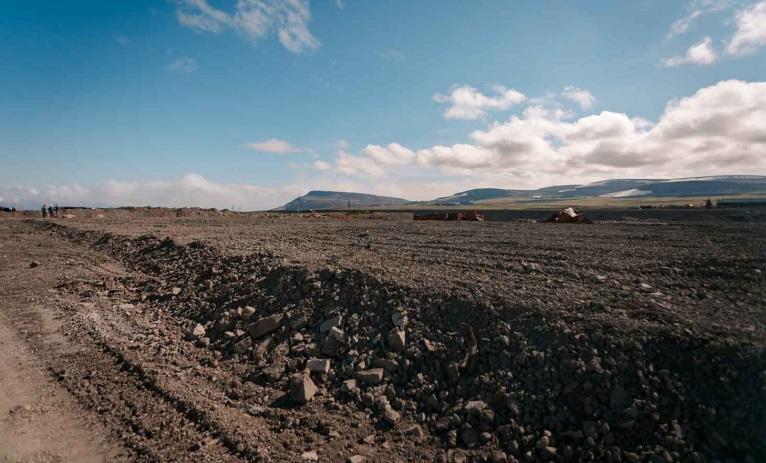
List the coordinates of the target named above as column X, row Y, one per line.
column 419, row 341
column 706, row 276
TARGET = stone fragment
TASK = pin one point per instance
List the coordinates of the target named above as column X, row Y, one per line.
column 243, row 345
column 329, row 324
column 475, row 406
column 371, row 376
column 248, row 311
column 458, row 456
column 321, row 366
column 390, row 415
column 176, row 291
column 396, row 340
column 264, row 326
column 543, row 442
column 348, row 385
column 302, row 389
column 548, row 453
column 355, row 459
column 415, row 431
column 198, row 331
column 335, row 333
column 386, row 364
column 310, row 456
column 330, row 346
column 34, row 264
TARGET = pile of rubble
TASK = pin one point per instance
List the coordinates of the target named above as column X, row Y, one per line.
column 568, row 215
column 498, row 382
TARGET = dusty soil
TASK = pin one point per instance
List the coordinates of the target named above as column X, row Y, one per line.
column 493, row 341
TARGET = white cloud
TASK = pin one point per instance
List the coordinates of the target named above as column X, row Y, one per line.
column 751, row 30
column 580, row 96
column 322, row 165
column 697, row 9
column 349, row 164
column 547, row 110
column 717, row 130
column 700, row 53
column 394, row 154
column 273, row 145
column 255, row 19
column 185, row 65
column 467, row 103
column 190, row 190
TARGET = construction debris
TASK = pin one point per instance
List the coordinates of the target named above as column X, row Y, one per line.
column 568, row 215
column 471, row 216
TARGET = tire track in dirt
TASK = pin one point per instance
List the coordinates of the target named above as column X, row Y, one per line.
column 153, row 423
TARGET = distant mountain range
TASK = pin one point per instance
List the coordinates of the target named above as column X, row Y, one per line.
column 339, row 200
column 617, row 188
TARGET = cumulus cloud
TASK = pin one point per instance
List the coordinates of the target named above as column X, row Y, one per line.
column 347, row 163
column 581, row 96
column 700, row 53
column 467, row 103
column 184, row 65
column 190, row 190
column 750, row 34
column 717, row 130
column 394, row 154
column 273, row 145
column 695, row 10
column 255, row 20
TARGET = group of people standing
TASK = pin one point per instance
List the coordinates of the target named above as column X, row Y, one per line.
column 50, row 210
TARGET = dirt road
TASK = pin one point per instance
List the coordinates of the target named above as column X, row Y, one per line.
column 39, row 420
column 68, row 394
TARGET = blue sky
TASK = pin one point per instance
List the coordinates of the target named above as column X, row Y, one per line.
column 220, row 103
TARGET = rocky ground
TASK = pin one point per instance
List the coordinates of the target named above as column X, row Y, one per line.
column 297, row 339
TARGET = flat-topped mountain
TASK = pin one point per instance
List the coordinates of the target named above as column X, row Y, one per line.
column 339, row 200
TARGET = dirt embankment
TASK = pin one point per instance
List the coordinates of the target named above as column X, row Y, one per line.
column 477, row 375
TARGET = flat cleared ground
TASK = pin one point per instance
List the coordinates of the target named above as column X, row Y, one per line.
column 628, row 342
